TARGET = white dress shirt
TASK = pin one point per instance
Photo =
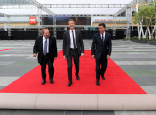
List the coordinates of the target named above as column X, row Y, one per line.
column 44, row 39
column 71, row 38
column 103, row 36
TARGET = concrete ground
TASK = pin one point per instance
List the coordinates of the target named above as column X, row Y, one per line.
column 137, row 60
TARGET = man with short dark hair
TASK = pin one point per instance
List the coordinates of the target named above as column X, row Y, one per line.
column 101, row 50
column 46, row 48
column 72, row 48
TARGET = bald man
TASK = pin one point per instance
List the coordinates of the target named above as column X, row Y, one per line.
column 46, row 48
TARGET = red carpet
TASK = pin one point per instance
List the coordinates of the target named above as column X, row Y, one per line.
column 117, row 81
column 5, row 49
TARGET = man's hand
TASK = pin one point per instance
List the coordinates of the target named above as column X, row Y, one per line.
column 92, row 56
column 55, row 58
column 108, row 56
column 82, row 54
column 64, row 57
column 34, row 55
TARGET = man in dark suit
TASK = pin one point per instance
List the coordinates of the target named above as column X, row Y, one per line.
column 73, row 47
column 46, row 48
column 101, row 50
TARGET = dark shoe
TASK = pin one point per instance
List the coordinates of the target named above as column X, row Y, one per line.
column 69, row 84
column 77, row 77
column 51, row 81
column 103, row 77
column 97, row 83
column 43, row 82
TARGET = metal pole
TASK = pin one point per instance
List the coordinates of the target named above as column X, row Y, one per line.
column 129, row 20
column 54, row 27
column 155, row 32
column 114, row 27
column 8, row 29
column 39, row 21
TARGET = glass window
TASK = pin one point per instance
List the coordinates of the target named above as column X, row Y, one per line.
column 5, row 2
column 1, row 2
column 21, row 1
column 9, row 2
column 13, row 2
column 25, row 2
column 17, row 1
column 123, row 14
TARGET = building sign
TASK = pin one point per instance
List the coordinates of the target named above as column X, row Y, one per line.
column 64, row 20
column 32, row 20
column 110, row 20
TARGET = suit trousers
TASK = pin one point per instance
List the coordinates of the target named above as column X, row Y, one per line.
column 46, row 60
column 72, row 54
column 101, row 71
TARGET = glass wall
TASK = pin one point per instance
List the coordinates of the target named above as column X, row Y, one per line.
column 13, row 2
column 123, row 14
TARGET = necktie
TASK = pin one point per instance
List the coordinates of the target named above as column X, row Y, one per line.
column 45, row 47
column 102, row 38
column 74, row 41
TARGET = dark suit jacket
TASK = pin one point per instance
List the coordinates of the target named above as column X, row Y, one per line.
column 38, row 48
column 98, row 46
column 66, row 43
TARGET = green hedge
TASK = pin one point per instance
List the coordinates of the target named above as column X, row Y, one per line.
column 134, row 37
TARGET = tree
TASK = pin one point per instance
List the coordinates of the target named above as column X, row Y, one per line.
column 146, row 16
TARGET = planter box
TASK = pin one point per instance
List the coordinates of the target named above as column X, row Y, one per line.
column 144, row 41
column 152, row 42
column 139, row 41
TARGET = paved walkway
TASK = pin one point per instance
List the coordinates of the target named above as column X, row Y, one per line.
column 137, row 60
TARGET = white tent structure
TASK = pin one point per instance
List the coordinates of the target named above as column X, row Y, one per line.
column 84, row 8
column 66, row 6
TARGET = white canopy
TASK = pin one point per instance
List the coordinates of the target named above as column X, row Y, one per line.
column 84, row 10
column 25, row 10
column 84, row 1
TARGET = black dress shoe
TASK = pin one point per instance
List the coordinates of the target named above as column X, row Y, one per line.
column 51, row 81
column 69, row 84
column 97, row 83
column 77, row 77
column 43, row 82
column 103, row 77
